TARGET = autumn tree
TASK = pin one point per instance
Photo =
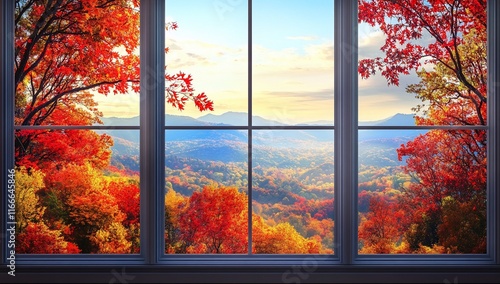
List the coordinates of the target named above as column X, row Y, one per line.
column 28, row 207
column 281, row 238
column 112, row 239
column 65, row 49
column 66, row 52
column 77, row 196
column 465, row 231
column 126, row 193
column 38, row 238
column 450, row 36
column 380, row 229
column 215, row 221
column 446, row 171
column 175, row 206
column 51, row 149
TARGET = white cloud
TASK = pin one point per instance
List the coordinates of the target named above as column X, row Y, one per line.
column 311, row 59
column 369, row 44
column 377, row 100
column 120, row 105
column 291, row 84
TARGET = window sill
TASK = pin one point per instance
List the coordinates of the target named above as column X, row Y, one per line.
column 305, row 273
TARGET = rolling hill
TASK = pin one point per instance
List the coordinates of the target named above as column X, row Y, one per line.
column 377, row 147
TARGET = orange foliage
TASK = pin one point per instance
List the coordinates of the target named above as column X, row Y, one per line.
column 215, row 221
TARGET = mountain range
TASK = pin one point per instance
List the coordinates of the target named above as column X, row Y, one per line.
column 278, row 137
column 241, row 119
column 230, row 145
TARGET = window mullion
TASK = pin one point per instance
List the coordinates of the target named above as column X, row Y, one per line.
column 493, row 124
column 250, row 129
column 6, row 107
column 152, row 118
column 346, row 119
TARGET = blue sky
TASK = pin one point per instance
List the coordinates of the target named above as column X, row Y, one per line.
column 292, row 59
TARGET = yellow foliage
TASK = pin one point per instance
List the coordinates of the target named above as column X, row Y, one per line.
column 174, row 200
column 386, row 247
column 28, row 208
column 281, row 239
column 403, row 247
column 113, row 239
column 435, row 249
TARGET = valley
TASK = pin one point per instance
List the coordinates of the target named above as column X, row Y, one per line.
column 292, row 170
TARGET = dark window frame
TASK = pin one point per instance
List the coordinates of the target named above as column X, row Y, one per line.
column 345, row 266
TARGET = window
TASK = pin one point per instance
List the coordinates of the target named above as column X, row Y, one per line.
column 422, row 179
column 75, row 193
column 346, row 261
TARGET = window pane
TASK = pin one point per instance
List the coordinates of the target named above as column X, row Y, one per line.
column 293, row 62
column 77, row 63
column 206, row 201
column 76, row 192
column 210, row 44
column 426, row 58
column 292, row 192
column 422, row 192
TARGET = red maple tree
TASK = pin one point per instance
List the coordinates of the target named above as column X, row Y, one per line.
column 448, row 166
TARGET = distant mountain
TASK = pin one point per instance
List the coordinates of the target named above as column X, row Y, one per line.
column 228, row 118
column 395, row 120
column 241, row 118
column 230, row 145
column 171, row 135
column 317, row 123
column 181, row 120
column 398, row 119
column 238, row 119
column 121, row 121
column 170, row 120
column 133, row 136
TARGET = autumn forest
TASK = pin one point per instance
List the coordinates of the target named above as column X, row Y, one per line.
column 78, row 188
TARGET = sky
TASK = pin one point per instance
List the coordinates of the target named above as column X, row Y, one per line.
column 292, row 70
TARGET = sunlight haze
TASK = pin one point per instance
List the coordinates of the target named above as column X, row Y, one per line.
column 293, row 49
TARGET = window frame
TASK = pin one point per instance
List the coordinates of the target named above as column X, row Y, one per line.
column 345, row 266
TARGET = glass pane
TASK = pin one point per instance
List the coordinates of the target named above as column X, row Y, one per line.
column 292, row 192
column 207, row 40
column 293, row 62
column 424, row 58
column 422, row 192
column 77, row 191
column 206, row 201
column 77, row 63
